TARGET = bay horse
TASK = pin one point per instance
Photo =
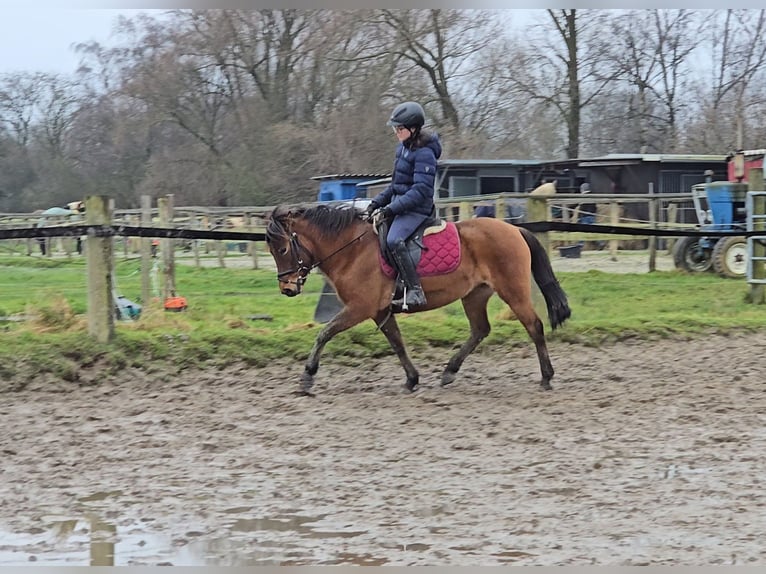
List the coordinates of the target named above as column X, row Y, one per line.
column 496, row 257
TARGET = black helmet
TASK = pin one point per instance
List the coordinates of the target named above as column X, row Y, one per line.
column 409, row 115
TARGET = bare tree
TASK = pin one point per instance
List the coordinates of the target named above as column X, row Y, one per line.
column 442, row 44
column 652, row 49
column 20, row 94
column 566, row 70
column 739, row 56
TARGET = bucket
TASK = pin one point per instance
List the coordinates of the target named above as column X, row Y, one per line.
column 570, row 251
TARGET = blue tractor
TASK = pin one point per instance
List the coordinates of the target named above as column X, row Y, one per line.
column 720, row 206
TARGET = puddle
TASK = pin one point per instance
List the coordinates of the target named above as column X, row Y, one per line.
column 356, row 560
column 77, row 542
column 511, row 555
column 251, row 542
column 673, row 470
column 291, row 524
column 99, row 496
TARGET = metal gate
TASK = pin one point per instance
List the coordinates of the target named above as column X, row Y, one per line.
column 752, row 219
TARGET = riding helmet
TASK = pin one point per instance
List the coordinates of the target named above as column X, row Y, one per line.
column 409, row 115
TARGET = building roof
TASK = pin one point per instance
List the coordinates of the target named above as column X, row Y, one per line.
column 628, row 159
column 486, row 162
column 370, row 182
column 351, row 176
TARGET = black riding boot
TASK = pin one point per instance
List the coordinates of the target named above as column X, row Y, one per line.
column 413, row 292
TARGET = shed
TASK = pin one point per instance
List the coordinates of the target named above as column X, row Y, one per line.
column 340, row 186
column 471, row 177
column 633, row 174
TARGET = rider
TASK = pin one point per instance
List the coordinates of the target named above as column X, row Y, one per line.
column 409, row 198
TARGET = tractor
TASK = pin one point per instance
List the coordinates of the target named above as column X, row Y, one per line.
column 720, row 206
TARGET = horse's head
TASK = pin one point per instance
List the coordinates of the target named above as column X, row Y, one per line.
column 303, row 237
column 292, row 259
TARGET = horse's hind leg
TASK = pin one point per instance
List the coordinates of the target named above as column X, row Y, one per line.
column 475, row 307
column 520, row 302
column 387, row 324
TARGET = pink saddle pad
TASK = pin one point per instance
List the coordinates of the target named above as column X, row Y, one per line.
column 441, row 254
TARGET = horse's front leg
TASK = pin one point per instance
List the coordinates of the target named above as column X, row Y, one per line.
column 345, row 319
column 387, row 323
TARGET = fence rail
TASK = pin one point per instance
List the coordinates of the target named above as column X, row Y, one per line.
column 621, row 218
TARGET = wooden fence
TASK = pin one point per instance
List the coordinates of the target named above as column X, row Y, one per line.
column 661, row 211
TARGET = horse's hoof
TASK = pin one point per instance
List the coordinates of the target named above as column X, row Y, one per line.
column 546, row 386
column 304, row 393
column 411, row 387
column 448, row 377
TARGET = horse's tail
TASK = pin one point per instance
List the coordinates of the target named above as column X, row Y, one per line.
column 555, row 298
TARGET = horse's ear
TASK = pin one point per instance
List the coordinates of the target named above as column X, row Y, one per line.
column 280, row 211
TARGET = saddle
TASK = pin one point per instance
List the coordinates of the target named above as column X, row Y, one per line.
column 434, row 247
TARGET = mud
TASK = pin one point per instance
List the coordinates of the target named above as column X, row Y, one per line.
column 644, row 453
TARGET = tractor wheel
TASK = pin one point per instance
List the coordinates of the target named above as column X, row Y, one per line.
column 689, row 255
column 730, row 257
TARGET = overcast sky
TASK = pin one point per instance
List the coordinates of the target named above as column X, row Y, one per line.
column 39, row 39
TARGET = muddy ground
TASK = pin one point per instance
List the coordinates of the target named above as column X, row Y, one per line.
column 644, row 453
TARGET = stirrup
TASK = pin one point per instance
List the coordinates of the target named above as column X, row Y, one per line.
column 403, row 301
column 405, row 292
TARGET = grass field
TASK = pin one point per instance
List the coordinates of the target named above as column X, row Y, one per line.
column 225, row 321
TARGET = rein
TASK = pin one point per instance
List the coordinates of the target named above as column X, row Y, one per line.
column 302, row 269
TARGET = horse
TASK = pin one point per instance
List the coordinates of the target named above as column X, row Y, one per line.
column 495, row 257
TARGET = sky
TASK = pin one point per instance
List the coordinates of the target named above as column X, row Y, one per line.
column 36, row 36
column 39, row 39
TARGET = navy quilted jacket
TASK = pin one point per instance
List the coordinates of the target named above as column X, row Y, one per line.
column 412, row 185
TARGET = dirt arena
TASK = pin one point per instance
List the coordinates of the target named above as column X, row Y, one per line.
column 644, row 453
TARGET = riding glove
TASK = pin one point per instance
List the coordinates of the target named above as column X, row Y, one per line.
column 370, row 210
column 381, row 215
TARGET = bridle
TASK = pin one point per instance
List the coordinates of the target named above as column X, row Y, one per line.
column 300, row 266
column 303, row 268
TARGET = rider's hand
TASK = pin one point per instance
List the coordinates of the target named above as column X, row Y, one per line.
column 380, row 215
column 371, row 210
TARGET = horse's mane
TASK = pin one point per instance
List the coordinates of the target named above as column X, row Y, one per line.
column 329, row 220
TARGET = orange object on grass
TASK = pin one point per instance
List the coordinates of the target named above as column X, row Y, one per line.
column 175, row 304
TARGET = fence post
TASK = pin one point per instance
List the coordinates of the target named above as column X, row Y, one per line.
column 206, row 226
column 500, row 208
column 252, row 246
column 195, row 245
column 165, row 206
column 757, row 292
column 614, row 219
column 98, row 211
column 220, row 246
column 652, row 225
column 146, row 250
column 125, row 239
column 465, row 212
column 537, row 210
column 672, row 218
